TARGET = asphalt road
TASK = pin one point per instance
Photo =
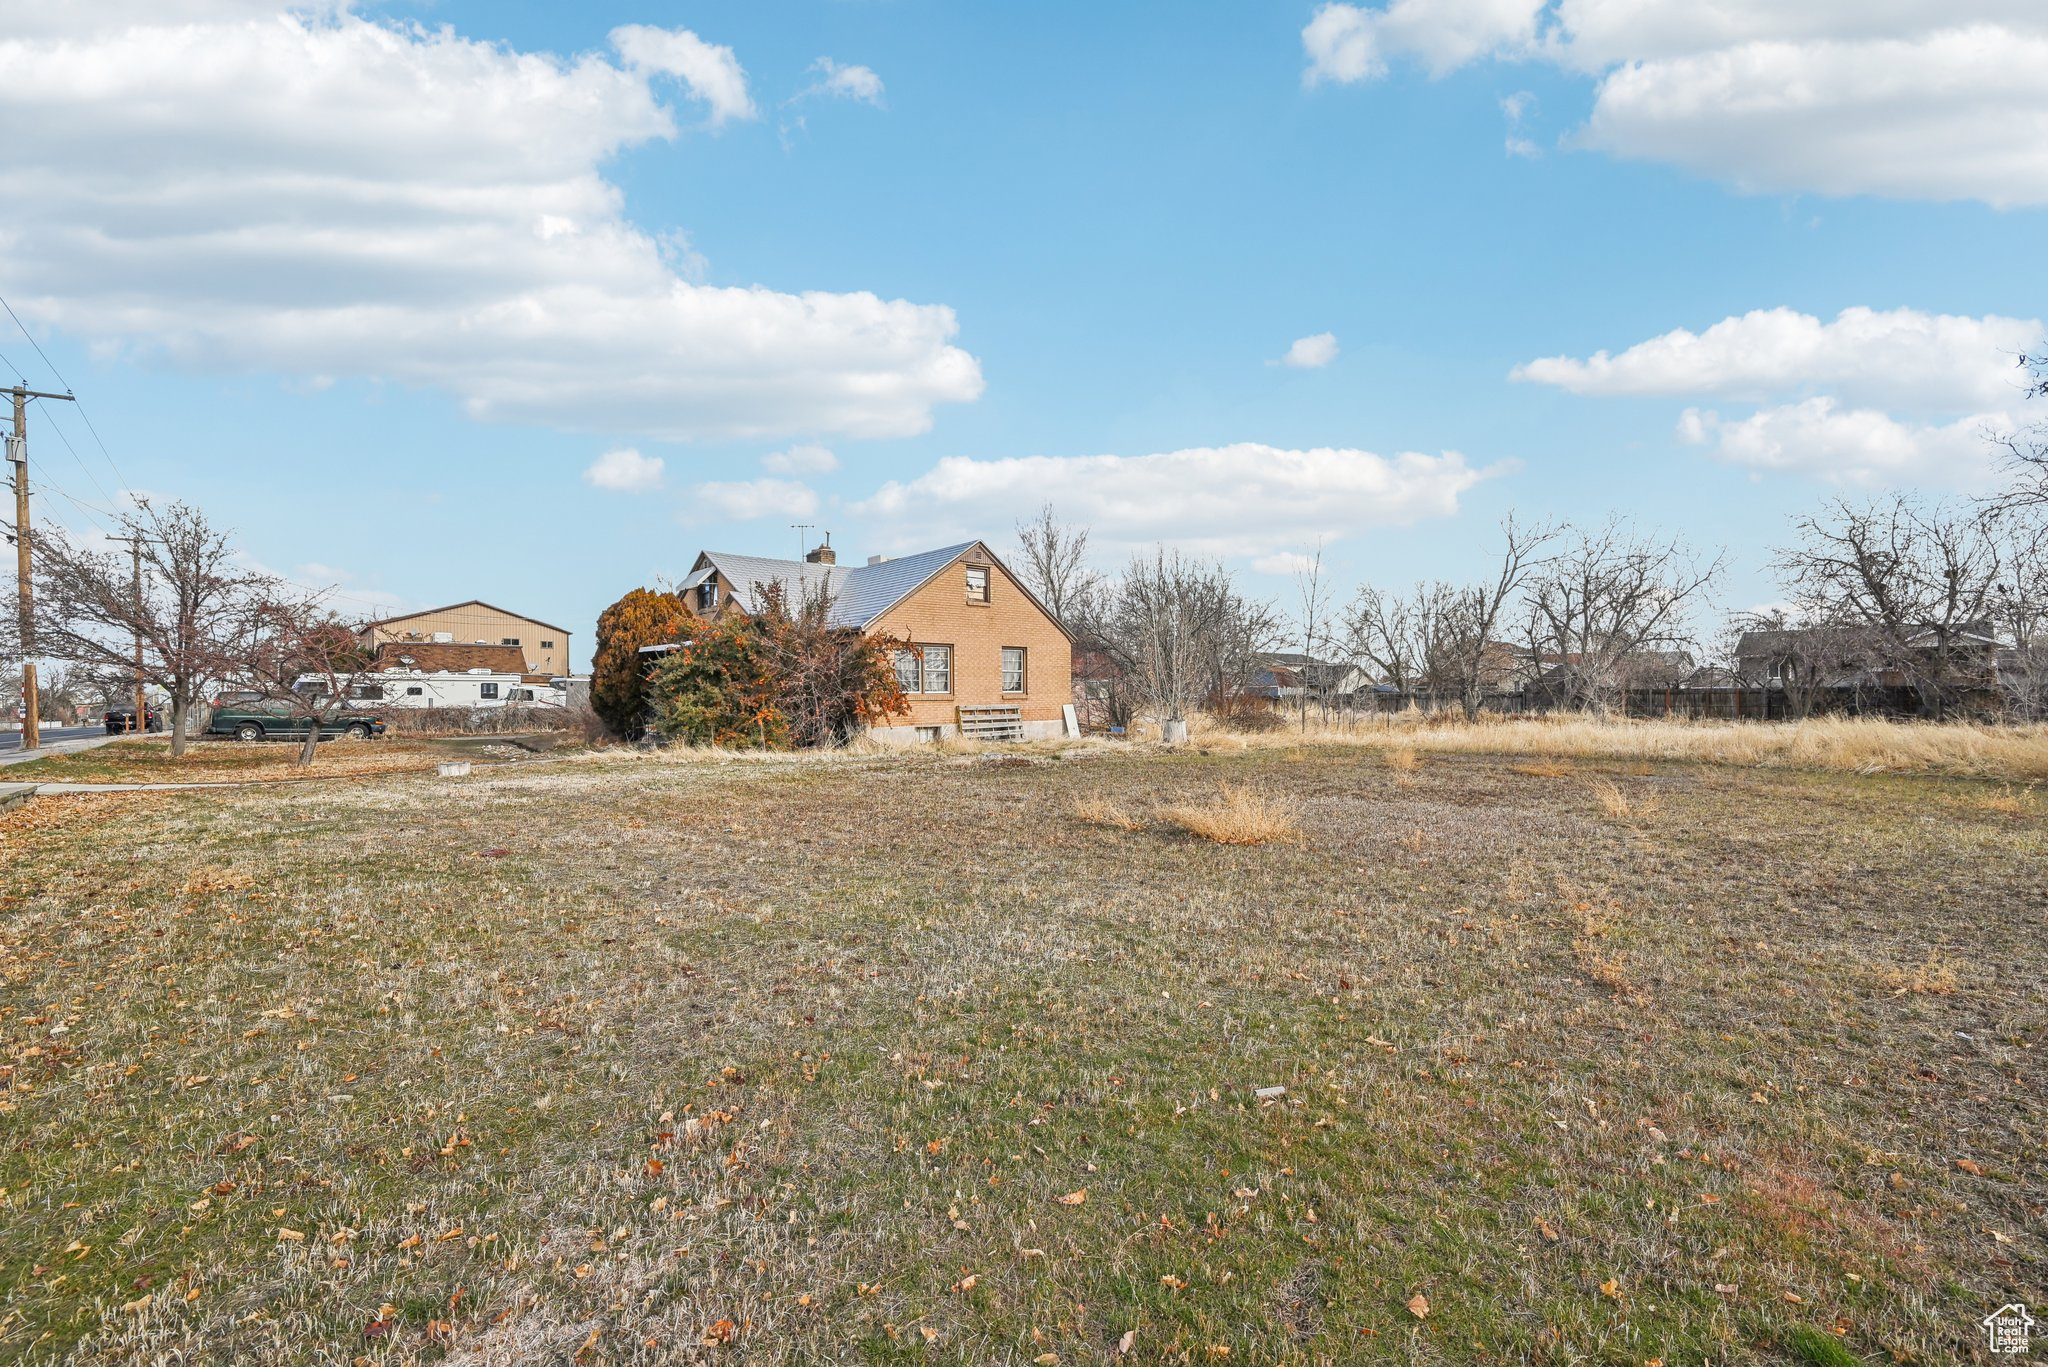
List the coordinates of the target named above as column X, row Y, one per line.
column 10, row 741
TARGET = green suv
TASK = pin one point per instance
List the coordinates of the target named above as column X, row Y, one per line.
column 259, row 721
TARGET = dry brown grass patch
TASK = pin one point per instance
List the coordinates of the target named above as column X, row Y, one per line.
column 2010, row 801
column 1402, row 760
column 1098, row 811
column 1934, row 977
column 1240, row 815
column 1543, row 768
column 1618, row 804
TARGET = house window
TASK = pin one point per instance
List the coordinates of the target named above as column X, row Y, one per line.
column 925, row 669
column 366, row 692
column 928, row 733
column 489, row 690
column 977, row 583
column 522, row 695
column 547, row 645
column 508, row 640
column 1013, row 669
column 415, row 692
column 707, row 595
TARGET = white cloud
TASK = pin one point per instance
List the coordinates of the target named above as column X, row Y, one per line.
column 1230, row 500
column 1902, row 357
column 845, row 82
column 1515, row 109
column 1900, row 98
column 711, row 72
column 235, row 188
column 1859, row 446
column 1352, row 43
column 746, row 500
column 1310, row 353
column 1284, row 562
column 1826, row 388
column 625, row 470
column 801, row 460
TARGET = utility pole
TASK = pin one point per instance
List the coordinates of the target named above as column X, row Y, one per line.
column 17, row 452
column 135, row 540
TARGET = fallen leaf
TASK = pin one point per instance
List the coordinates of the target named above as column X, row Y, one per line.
column 966, row 1283
column 1075, row 1198
column 1547, row 1230
column 1124, row 1344
column 1611, row 1288
column 1047, row 1360
column 1418, row 1306
column 721, row 1331
column 1971, row 1168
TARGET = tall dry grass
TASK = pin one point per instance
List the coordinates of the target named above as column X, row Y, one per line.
column 1856, row 744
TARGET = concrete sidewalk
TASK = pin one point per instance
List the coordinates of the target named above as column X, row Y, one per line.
column 62, row 747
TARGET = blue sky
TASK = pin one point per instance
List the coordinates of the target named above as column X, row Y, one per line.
column 380, row 287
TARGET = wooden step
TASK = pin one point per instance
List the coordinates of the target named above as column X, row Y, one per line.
column 991, row 722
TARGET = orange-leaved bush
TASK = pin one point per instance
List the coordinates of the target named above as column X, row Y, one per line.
column 777, row 678
column 618, row 677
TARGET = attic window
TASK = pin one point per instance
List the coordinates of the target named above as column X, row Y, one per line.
column 977, row 583
column 707, row 595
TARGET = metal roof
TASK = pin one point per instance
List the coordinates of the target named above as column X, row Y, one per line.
column 860, row 593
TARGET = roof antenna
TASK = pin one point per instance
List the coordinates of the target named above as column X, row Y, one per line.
column 800, row 528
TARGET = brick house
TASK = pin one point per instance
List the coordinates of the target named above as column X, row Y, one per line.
column 975, row 651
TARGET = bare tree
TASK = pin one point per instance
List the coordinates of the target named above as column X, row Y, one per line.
column 1053, row 560
column 1467, row 641
column 1181, row 629
column 1604, row 599
column 301, row 656
column 1397, row 635
column 2019, row 607
column 194, row 612
column 2026, row 448
column 1918, row 580
column 1314, row 622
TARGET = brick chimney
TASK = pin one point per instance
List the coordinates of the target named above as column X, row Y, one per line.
column 824, row 555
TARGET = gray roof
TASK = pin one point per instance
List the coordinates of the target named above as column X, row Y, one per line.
column 860, row 593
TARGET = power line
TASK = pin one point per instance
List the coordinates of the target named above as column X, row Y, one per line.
column 72, row 393
column 50, row 414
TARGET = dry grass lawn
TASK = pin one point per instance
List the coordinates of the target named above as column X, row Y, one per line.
column 898, row 1058
column 227, row 761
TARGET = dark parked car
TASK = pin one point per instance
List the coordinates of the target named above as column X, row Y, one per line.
column 268, row 721
column 121, row 720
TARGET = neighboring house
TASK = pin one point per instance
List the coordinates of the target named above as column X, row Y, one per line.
column 544, row 649
column 1283, row 676
column 436, row 674
column 971, row 642
column 1851, row 657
